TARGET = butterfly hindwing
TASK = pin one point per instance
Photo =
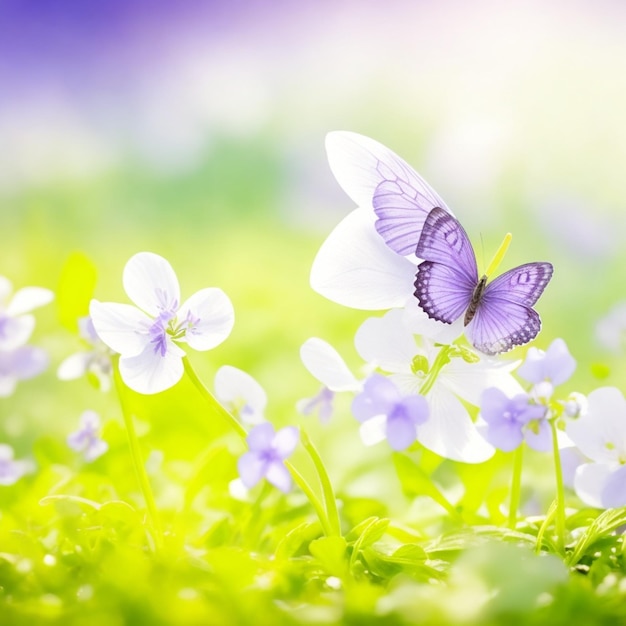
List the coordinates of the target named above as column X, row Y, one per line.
column 371, row 174
column 447, row 277
column 523, row 284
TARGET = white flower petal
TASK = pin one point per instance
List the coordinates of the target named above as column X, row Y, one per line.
column 6, row 288
column 74, row 366
column 373, row 430
column 325, row 364
column 213, row 315
column 149, row 372
column 387, row 342
column 151, row 283
column 16, row 331
column 469, row 380
column 601, row 432
column 589, row 482
column 355, row 268
column 241, row 393
column 29, row 298
column 122, row 327
column 7, row 385
column 449, row 430
column 418, row 322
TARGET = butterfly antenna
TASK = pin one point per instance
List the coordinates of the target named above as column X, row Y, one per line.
column 499, row 255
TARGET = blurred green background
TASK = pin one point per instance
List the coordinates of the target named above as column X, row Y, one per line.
column 197, row 132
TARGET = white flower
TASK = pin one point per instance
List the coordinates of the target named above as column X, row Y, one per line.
column 600, row 434
column 448, row 376
column 96, row 361
column 240, row 394
column 147, row 335
column 16, row 323
column 325, row 364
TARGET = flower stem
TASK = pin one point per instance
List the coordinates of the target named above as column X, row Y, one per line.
column 138, row 464
column 212, row 402
column 560, row 492
column 516, row 485
column 241, row 431
column 327, row 489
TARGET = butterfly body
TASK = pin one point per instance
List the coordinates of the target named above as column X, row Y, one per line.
column 497, row 315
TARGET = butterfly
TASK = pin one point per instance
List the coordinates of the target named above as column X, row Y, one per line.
column 498, row 315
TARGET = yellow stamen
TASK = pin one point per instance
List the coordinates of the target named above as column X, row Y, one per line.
column 499, row 255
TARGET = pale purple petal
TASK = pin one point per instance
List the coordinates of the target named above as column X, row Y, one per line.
column 590, row 481
column 556, row 364
column 279, row 476
column 122, row 327
column 379, row 396
column 613, row 494
column 251, row 467
column 504, row 435
column 285, row 441
column 151, row 283
column 400, row 431
column 240, row 393
column 539, row 436
column 261, row 437
column 149, row 372
column 450, row 431
column 325, row 364
column 355, row 268
column 15, row 331
column 29, row 298
column 26, row 362
column 208, row 316
column 322, row 403
column 494, row 402
column 95, row 450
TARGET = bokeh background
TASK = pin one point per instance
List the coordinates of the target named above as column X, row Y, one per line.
column 196, row 130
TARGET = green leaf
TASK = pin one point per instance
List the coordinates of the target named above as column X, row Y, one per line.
column 75, row 290
column 369, row 531
column 331, row 553
column 599, row 529
column 291, row 543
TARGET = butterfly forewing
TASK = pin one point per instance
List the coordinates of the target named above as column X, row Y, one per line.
column 523, row 284
column 371, row 174
column 447, row 277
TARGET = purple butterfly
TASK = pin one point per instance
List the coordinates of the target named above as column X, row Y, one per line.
column 497, row 315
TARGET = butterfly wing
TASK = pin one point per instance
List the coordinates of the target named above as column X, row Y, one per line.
column 372, row 175
column 504, row 317
column 447, row 277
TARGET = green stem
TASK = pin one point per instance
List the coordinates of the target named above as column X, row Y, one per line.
column 327, row 488
column 516, row 485
column 212, row 402
column 560, row 492
column 241, row 431
column 138, row 464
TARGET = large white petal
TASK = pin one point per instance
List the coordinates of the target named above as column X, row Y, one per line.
column 387, row 342
column 469, row 380
column 589, row 482
column 601, row 432
column 449, row 430
column 355, row 268
column 325, row 364
column 213, row 318
column 122, row 327
column 29, row 298
column 151, row 283
column 149, row 372
column 419, row 323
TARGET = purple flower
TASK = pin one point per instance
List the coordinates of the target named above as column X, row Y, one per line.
column 511, row 420
column 321, row 403
column 554, row 366
column 20, row 364
column 87, row 438
column 10, row 469
column 268, row 451
column 385, row 414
